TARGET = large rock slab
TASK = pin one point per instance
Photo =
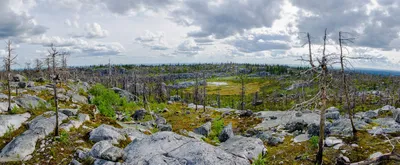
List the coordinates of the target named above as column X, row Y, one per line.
column 8, row 122
column 244, row 147
column 30, row 102
column 342, row 127
column 47, row 121
column 283, row 117
column 168, row 148
column 24, row 145
column 4, row 106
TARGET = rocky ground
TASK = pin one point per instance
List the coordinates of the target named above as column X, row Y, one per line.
column 179, row 134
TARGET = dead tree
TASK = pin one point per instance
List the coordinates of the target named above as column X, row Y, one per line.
column 324, row 81
column 109, row 74
column 38, row 66
column 344, row 80
column 320, row 99
column 242, row 78
column 196, row 91
column 204, row 92
column 8, row 61
column 53, row 54
column 48, row 64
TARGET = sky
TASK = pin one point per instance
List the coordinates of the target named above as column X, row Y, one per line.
column 199, row 31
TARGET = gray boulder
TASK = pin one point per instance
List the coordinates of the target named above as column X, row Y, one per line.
column 226, row 133
column 22, row 84
column 69, row 112
column 334, row 115
column 30, row 84
column 375, row 155
column 301, row 138
column 18, row 78
column 396, row 115
column 30, row 102
column 332, row 109
column 204, row 129
column 165, row 148
column 71, row 124
column 75, row 162
column 246, row 113
column 106, row 132
column 79, row 99
column 296, row 125
column 105, row 162
column 105, row 150
column 139, row 114
column 270, row 138
column 164, row 127
column 370, row 114
column 313, row 129
column 331, row 141
column 41, row 80
column 83, row 117
column 160, row 120
column 12, row 122
column 245, row 147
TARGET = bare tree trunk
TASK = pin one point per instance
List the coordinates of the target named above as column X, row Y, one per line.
column 204, row 93
column 242, row 93
column 8, row 61
column 324, row 86
column 345, row 87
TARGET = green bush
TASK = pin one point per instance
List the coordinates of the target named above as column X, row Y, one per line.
column 217, row 126
column 108, row 101
column 314, row 141
column 10, row 129
column 64, row 137
column 261, row 160
column 17, row 110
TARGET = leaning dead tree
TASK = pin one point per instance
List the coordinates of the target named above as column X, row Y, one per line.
column 321, row 75
column 53, row 54
column 9, row 59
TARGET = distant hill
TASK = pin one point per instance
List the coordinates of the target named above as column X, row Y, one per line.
column 378, row 72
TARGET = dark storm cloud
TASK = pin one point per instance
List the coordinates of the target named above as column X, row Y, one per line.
column 373, row 27
column 14, row 24
column 228, row 17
